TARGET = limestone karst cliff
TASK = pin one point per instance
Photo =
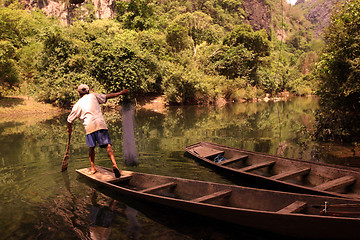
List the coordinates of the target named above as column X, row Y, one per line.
column 258, row 12
column 70, row 10
column 318, row 12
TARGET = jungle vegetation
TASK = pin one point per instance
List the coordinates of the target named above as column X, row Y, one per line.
column 339, row 72
column 193, row 52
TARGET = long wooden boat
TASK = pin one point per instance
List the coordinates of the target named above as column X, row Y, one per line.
column 280, row 173
column 286, row 214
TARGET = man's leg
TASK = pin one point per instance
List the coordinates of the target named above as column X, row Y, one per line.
column 111, row 155
column 92, row 159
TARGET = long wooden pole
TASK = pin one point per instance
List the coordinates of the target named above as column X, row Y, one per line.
column 66, row 157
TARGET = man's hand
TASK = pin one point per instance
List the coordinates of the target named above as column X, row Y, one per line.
column 125, row 91
column 113, row 95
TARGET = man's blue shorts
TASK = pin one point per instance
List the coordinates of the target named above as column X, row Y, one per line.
column 101, row 137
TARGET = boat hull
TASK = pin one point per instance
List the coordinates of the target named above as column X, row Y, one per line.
column 263, row 216
column 280, row 173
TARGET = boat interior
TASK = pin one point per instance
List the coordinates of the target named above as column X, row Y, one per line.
column 302, row 173
column 231, row 196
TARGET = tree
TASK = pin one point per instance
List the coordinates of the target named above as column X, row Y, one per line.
column 196, row 26
column 176, row 37
column 242, row 53
column 16, row 30
column 135, row 14
column 255, row 41
column 9, row 76
column 339, row 72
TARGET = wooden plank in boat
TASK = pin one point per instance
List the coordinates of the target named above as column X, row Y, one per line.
column 289, row 174
column 103, row 175
column 212, row 196
column 257, row 166
column 336, row 183
column 206, row 152
column 120, row 179
column 295, row 207
column 231, row 160
column 158, row 187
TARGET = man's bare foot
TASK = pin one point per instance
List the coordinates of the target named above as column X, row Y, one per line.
column 93, row 171
column 117, row 172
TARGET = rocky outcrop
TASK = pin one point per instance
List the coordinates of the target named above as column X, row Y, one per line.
column 318, row 12
column 258, row 14
column 68, row 10
column 104, row 8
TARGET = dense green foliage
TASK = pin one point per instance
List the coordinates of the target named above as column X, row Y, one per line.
column 339, row 72
column 193, row 52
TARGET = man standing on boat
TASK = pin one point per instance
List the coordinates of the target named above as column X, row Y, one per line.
column 88, row 109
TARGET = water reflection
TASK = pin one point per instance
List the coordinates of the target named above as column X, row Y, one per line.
column 134, row 225
column 143, row 220
column 101, row 217
column 39, row 202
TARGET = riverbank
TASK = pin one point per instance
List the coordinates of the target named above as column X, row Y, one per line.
column 26, row 109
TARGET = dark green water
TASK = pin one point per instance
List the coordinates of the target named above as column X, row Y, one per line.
column 39, row 202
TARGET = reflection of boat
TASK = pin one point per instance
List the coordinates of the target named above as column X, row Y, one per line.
column 280, row 173
column 283, row 213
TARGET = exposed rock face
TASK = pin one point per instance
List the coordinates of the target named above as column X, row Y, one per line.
column 55, row 8
column 68, row 9
column 318, row 12
column 259, row 15
column 105, row 8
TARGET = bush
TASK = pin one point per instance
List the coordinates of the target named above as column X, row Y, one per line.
column 62, row 90
column 117, row 67
column 178, row 85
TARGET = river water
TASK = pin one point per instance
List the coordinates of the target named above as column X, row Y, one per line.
column 38, row 201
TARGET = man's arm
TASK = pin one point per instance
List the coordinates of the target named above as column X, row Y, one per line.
column 113, row 95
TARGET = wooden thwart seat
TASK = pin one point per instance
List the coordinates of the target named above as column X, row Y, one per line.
column 295, row 207
column 120, row 179
column 159, row 187
column 336, row 183
column 289, row 174
column 213, row 196
column 207, row 152
column 257, row 166
column 234, row 159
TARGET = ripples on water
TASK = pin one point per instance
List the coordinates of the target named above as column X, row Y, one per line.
column 39, row 202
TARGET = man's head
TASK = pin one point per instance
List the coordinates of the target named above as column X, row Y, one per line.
column 83, row 89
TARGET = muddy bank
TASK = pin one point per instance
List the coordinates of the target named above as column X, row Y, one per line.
column 26, row 109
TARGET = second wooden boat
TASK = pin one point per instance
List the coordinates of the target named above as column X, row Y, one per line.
column 287, row 214
column 280, row 173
